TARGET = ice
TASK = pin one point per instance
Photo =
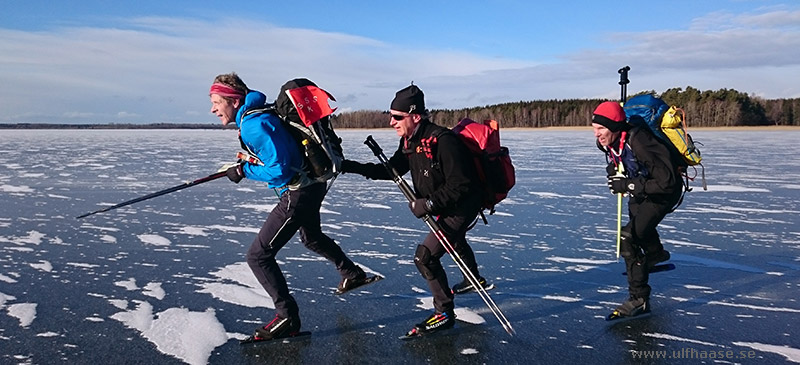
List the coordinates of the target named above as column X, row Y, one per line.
column 790, row 353
column 166, row 279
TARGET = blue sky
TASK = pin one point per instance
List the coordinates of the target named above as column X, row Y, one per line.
column 152, row 61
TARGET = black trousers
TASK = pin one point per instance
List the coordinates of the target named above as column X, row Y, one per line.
column 641, row 238
column 455, row 228
column 296, row 210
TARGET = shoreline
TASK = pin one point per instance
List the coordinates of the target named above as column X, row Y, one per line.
column 690, row 129
column 195, row 127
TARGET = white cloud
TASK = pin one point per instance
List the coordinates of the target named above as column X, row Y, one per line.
column 158, row 69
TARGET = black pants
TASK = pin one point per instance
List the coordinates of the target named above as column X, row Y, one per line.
column 296, row 210
column 641, row 238
column 455, row 228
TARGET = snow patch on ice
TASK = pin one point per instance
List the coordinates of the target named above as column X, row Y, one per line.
column 573, row 260
column 7, row 279
column 33, row 237
column 682, row 339
column 755, row 307
column 25, row 312
column 165, row 329
column 154, row 290
column 375, row 206
column 258, row 207
column 236, row 284
column 43, row 266
column 129, row 284
column 15, row 189
column 562, row 298
column 153, row 239
column 732, row 189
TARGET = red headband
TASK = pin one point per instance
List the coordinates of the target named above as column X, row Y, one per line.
column 225, row 90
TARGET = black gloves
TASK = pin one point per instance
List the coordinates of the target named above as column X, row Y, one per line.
column 622, row 185
column 420, row 207
column 235, row 173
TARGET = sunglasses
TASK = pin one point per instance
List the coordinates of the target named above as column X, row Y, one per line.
column 399, row 117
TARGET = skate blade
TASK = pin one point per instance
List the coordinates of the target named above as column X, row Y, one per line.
column 368, row 281
column 617, row 316
column 472, row 290
column 292, row 337
column 658, row 268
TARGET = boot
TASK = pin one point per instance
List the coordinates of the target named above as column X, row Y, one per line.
column 279, row 328
column 656, row 258
column 633, row 307
column 465, row 286
column 434, row 323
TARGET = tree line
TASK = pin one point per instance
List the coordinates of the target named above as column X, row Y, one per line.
column 720, row 108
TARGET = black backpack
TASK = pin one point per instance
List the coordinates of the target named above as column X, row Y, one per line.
column 321, row 147
column 316, row 139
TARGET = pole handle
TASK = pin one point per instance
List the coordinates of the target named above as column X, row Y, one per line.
column 623, row 82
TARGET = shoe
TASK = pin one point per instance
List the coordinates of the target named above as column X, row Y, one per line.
column 656, row 258
column 349, row 284
column 278, row 328
column 466, row 287
column 633, row 307
column 436, row 322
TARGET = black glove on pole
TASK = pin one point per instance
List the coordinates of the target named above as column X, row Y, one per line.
column 235, row 173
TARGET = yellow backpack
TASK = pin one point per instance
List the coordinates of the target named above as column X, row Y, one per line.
column 673, row 125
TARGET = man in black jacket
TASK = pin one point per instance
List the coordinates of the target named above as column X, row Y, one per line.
column 447, row 185
column 642, row 167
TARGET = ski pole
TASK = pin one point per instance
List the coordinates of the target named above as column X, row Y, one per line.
column 158, row 193
column 439, row 233
column 620, row 171
column 623, row 83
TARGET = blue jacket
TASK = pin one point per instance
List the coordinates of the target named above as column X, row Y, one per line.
column 265, row 135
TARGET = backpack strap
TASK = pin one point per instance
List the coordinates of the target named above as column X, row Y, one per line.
column 269, row 108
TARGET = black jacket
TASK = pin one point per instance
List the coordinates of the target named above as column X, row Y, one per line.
column 441, row 166
column 663, row 183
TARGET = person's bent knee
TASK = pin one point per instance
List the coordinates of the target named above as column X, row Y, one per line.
column 422, row 258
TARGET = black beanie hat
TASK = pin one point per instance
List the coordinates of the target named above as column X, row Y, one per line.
column 409, row 100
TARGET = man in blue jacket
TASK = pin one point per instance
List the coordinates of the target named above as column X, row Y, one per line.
column 281, row 167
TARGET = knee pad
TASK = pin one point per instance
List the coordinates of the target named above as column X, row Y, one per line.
column 627, row 248
column 422, row 258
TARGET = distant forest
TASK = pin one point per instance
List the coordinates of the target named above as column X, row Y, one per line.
column 721, row 108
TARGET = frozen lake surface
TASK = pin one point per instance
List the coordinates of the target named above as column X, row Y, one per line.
column 164, row 281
